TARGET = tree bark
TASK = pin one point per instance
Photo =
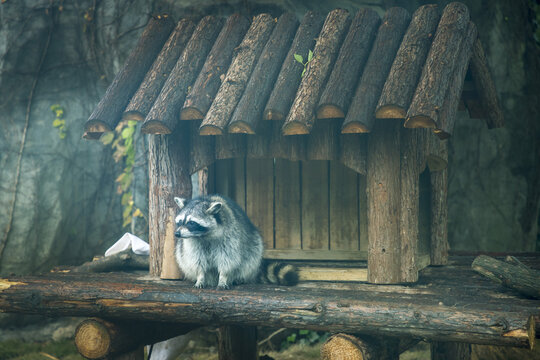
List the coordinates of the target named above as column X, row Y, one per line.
column 219, row 114
column 163, row 116
column 350, row 62
column 289, row 76
column 403, row 77
column 434, row 81
column 447, row 116
column 144, row 98
column 248, row 113
column 168, row 167
column 108, row 111
column 361, row 114
column 454, row 305
column 485, row 87
column 353, row 152
column 439, row 212
column 301, row 116
column 345, row 346
column 204, row 89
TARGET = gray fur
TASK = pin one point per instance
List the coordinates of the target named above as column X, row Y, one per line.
column 224, row 249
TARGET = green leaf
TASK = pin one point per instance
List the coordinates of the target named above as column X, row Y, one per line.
column 62, row 135
column 291, row 338
column 137, row 213
column 303, row 72
column 299, row 58
column 107, row 138
column 310, row 56
column 303, row 332
column 127, row 132
column 58, row 122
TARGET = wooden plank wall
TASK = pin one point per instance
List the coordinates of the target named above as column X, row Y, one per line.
column 305, row 209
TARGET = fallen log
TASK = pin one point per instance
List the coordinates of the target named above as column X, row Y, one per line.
column 108, row 111
column 123, row 260
column 517, row 277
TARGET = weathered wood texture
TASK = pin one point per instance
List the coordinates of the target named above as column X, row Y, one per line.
column 323, row 141
column 237, row 343
column 97, row 338
column 447, row 115
column 289, row 76
column 450, row 351
column 108, row 111
column 517, row 277
column 485, row 87
column 248, row 113
column 201, row 148
column 439, row 212
column 430, row 93
column 123, row 260
column 361, row 114
column 168, row 168
column 163, row 116
column 383, row 196
column 353, row 151
column 449, row 304
column 200, row 97
column 337, row 94
column 144, row 97
column 301, row 116
column 345, row 346
column 399, row 87
column 235, row 81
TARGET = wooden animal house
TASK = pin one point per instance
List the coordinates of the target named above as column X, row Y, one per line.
column 331, row 132
column 321, row 130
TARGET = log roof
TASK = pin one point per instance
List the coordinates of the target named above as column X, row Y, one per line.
column 236, row 75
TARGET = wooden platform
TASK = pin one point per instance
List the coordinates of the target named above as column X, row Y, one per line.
column 450, row 303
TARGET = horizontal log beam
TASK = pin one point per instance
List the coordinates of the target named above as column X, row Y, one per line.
column 442, row 308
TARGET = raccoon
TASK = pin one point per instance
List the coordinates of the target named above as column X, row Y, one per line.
column 219, row 246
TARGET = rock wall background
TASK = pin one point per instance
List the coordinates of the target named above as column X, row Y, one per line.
column 66, row 52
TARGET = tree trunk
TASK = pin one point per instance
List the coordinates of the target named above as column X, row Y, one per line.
column 237, row 343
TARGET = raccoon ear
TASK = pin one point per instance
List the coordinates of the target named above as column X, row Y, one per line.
column 180, row 202
column 214, row 208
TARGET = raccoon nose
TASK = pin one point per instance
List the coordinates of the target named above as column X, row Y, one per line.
column 177, row 233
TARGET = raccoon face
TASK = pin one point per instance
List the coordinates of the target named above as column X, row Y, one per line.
column 196, row 218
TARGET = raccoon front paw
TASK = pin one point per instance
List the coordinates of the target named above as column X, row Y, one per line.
column 199, row 285
column 223, row 287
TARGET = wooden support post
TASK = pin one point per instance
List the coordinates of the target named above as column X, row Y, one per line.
column 168, row 167
column 450, row 351
column 237, row 343
column 109, row 110
column 349, row 347
column 436, row 74
column 301, row 116
column 147, row 93
column 289, row 76
column 97, row 338
column 439, row 207
column 361, row 114
column 383, row 196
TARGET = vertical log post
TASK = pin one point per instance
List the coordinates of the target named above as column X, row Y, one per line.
column 383, row 196
column 237, row 343
column 168, row 166
column 439, row 210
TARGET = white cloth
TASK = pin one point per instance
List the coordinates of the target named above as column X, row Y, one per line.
column 129, row 241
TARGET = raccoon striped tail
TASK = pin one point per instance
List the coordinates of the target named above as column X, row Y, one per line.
column 279, row 273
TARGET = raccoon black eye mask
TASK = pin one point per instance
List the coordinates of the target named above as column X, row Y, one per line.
column 219, row 246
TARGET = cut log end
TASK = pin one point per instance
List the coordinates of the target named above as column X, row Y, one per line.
column 342, row 346
column 436, row 163
column 420, row 121
column 210, row 130
column 441, row 134
column 191, row 113
column 155, row 127
column 391, row 112
column 295, row 128
column 92, row 339
column 273, row 115
column 329, row 111
column 241, row 127
column 96, row 126
column 531, row 331
column 354, row 128
column 92, row 135
column 132, row 116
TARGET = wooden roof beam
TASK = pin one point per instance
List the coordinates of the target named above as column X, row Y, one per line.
column 232, row 87
column 108, row 111
column 361, row 114
column 301, row 116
